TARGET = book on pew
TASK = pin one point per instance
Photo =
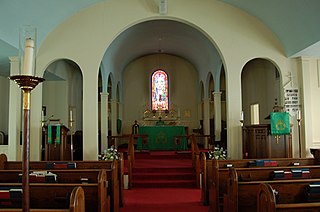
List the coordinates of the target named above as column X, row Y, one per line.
column 40, row 177
column 15, row 193
column 305, row 174
column 265, row 163
column 296, row 173
column 301, row 173
column 287, row 174
column 278, row 174
column 5, row 196
column 270, row 163
column 61, row 165
column 251, row 163
column 259, row 162
column 313, row 188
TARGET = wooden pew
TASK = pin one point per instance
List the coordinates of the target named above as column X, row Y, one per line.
column 115, row 172
column 77, row 204
column 217, row 175
column 56, row 193
column 267, row 202
column 242, row 195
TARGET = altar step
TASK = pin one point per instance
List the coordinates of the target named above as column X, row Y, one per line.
column 162, row 154
column 163, row 169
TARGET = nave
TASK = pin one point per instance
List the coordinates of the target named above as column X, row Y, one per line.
column 163, row 181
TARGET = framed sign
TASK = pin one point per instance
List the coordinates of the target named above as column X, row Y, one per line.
column 291, row 100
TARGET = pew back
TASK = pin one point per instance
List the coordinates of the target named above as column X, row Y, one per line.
column 267, row 202
column 56, row 194
column 217, row 175
column 243, row 194
column 77, row 204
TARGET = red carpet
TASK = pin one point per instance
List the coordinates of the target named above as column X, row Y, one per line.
column 163, row 181
column 163, row 199
column 158, row 169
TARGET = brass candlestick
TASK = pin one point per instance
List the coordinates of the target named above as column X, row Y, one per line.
column 27, row 84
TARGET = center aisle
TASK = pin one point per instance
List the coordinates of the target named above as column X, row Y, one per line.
column 163, row 199
column 163, row 181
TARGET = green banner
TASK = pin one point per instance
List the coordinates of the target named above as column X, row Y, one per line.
column 280, row 123
column 49, row 134
column 58, row 132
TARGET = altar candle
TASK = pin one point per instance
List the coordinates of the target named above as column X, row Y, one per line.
column 28, row 57
column 299, row 115
column 42, row 116
column 241, row 116
column 71, row 118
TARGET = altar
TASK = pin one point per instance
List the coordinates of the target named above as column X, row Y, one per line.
column 162, row 138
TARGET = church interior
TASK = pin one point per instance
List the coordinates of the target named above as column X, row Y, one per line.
column 160, row 105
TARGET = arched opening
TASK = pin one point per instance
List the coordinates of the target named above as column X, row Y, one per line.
column 62, row 106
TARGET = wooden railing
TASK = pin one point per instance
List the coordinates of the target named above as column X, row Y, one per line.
column 130, row 159
column 204, row 185
column 195, row 154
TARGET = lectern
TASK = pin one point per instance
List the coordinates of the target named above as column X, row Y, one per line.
column 57, row 146
column 259, row 143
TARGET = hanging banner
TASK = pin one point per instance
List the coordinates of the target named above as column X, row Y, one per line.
column 280, row 123
column 291, row 100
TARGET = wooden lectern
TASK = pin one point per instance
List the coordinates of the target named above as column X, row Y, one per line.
column 259, row 143
column 56, row 150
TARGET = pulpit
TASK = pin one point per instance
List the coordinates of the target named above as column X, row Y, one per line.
column 57, row 146
column 259, row 143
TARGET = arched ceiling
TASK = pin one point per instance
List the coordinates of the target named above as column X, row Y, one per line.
column 294, row 22
column 161, row 37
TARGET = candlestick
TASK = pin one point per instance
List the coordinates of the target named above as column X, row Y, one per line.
column 28, row 57
column 27, row 84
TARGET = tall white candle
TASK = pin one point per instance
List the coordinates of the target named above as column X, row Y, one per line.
column 299, row 115
column 241, row 116
column 42, row 116
column 71, row 118
column 28, row 57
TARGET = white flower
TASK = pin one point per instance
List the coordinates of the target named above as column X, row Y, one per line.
column 217, row 153
column 109, row 154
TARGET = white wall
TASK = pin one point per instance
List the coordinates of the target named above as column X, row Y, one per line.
column 309, row 74
column 4, row 104
column 55, row 98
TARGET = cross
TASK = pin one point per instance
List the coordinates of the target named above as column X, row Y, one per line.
column 291, row 77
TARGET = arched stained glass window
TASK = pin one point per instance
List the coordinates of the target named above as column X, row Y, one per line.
column 160, row 90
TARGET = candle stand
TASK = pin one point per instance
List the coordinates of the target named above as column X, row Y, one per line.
column 27, row 84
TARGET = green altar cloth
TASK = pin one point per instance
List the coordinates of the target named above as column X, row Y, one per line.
column 162, row 138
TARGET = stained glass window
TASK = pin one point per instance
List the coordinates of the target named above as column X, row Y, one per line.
column 160, row 90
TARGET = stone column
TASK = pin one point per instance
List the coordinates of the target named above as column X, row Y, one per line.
column 217, row 115
column 104, row 121
column 114, row 117
column 206, row 119
column 14, row 148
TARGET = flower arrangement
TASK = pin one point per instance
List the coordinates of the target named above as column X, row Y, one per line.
column 217, row 154
column 110, row 154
